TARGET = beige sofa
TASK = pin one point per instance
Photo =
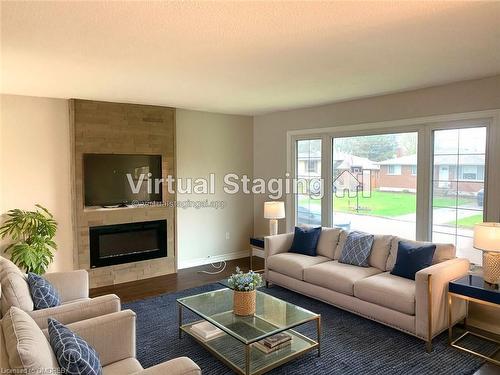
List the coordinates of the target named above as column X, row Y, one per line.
column 24, row 346
column 73, row 289
column 418, row 307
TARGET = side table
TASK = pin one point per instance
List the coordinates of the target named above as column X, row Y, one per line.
column 472, row 288
column 256, row 249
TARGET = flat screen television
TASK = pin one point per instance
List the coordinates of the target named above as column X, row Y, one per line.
column 106, row 182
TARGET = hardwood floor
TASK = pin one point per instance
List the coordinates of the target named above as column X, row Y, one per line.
column 192, row 277
column 184, row 279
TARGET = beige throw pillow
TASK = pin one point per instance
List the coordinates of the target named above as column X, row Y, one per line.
column 15, row 289
column 26, row 345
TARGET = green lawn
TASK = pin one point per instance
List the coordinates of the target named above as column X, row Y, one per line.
column 387, row 204
column 467, row 222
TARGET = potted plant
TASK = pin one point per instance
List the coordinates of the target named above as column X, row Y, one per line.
column 32, row 232
column 245, row 287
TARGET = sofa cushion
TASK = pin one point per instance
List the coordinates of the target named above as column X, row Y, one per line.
column 15, row 290
column 357, row 249
column 337, row 276
column 340, row 245
column 42, row 292
column 123, row 367
column 328, row 241
column 443, row 251
column 26, row 345
column 74, row 355
column 305, row 240
column 387, row 290
column 412, row 258
column 293, row 265
column 380, row 251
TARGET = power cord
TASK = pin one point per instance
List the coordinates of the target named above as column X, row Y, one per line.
column 218, row 268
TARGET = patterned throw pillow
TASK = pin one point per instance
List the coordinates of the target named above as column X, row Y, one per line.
column 42, row 292
column 357, row 249
column 74, row 354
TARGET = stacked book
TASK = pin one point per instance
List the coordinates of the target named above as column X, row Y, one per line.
column 274, row 342
column 206, row 331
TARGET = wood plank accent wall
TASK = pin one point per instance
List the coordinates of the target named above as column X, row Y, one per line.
column 117, row 128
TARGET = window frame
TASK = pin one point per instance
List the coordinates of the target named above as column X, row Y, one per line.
column 490, row 133
column 425, row 127
column 293, row 155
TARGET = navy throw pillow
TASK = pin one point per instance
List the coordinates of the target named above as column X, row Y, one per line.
column 357, row 249
column 42, row 292
column 412, row 258
column 74, row 354
column 305, row 241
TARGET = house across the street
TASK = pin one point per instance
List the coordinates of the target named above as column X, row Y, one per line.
column 400, row 174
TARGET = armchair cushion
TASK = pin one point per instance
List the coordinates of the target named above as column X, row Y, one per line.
column 42, row 292
column 176, row 366
column 79, row 310
column 74, row 355
column 71, row 285
column 124, row 367
column 26, row 345
column 15, row 292
column 112, row 335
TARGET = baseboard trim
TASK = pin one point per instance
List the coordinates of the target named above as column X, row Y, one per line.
column 188, row 263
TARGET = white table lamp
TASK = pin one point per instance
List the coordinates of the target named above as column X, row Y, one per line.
column 273, row 211
column 487, row 239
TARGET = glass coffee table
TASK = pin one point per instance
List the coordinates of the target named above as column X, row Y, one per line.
column 235, row 345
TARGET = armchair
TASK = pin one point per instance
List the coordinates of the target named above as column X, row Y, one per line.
column 112, row 336
column 73, row 289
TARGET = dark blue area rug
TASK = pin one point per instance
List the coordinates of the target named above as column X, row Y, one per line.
column 350, row 344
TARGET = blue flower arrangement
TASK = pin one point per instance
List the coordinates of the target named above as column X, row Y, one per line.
column 245, row 282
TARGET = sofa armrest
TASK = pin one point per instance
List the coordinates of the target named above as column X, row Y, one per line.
column 177, row 366
column 111, row 335
column 431, row 304
column 70, row 285
column 280, row 243
column 78, row 310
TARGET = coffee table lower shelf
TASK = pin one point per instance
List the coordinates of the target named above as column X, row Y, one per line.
column 247, row 359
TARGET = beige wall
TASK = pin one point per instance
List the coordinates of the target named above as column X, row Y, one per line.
column 270, row 133
column 270, row 130
column 213, row 143
column 35, row 163
column 35, row 156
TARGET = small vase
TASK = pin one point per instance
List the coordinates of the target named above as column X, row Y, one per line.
column 244, row 302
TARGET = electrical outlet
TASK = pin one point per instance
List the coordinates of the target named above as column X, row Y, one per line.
column 227, row 236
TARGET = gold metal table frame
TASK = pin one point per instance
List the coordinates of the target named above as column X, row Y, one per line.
column 248, row 347
column 455, row 342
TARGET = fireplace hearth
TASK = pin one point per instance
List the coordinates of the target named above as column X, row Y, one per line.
column 125, row 243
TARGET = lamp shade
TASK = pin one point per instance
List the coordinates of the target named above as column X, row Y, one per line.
column 487, row 236
column 274, row 210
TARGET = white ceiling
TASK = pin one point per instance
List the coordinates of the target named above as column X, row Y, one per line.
column 243, row 57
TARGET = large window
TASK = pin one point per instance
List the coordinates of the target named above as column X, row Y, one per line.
column 427, row 179
column 375, row 184
column 458, row 187
column 308, row 174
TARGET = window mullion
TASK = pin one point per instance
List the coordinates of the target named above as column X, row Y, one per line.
column 424, row 182
column 326, row 166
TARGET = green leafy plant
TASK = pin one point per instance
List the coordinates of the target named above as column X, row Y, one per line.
column 32, row 233
column 245, row 282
